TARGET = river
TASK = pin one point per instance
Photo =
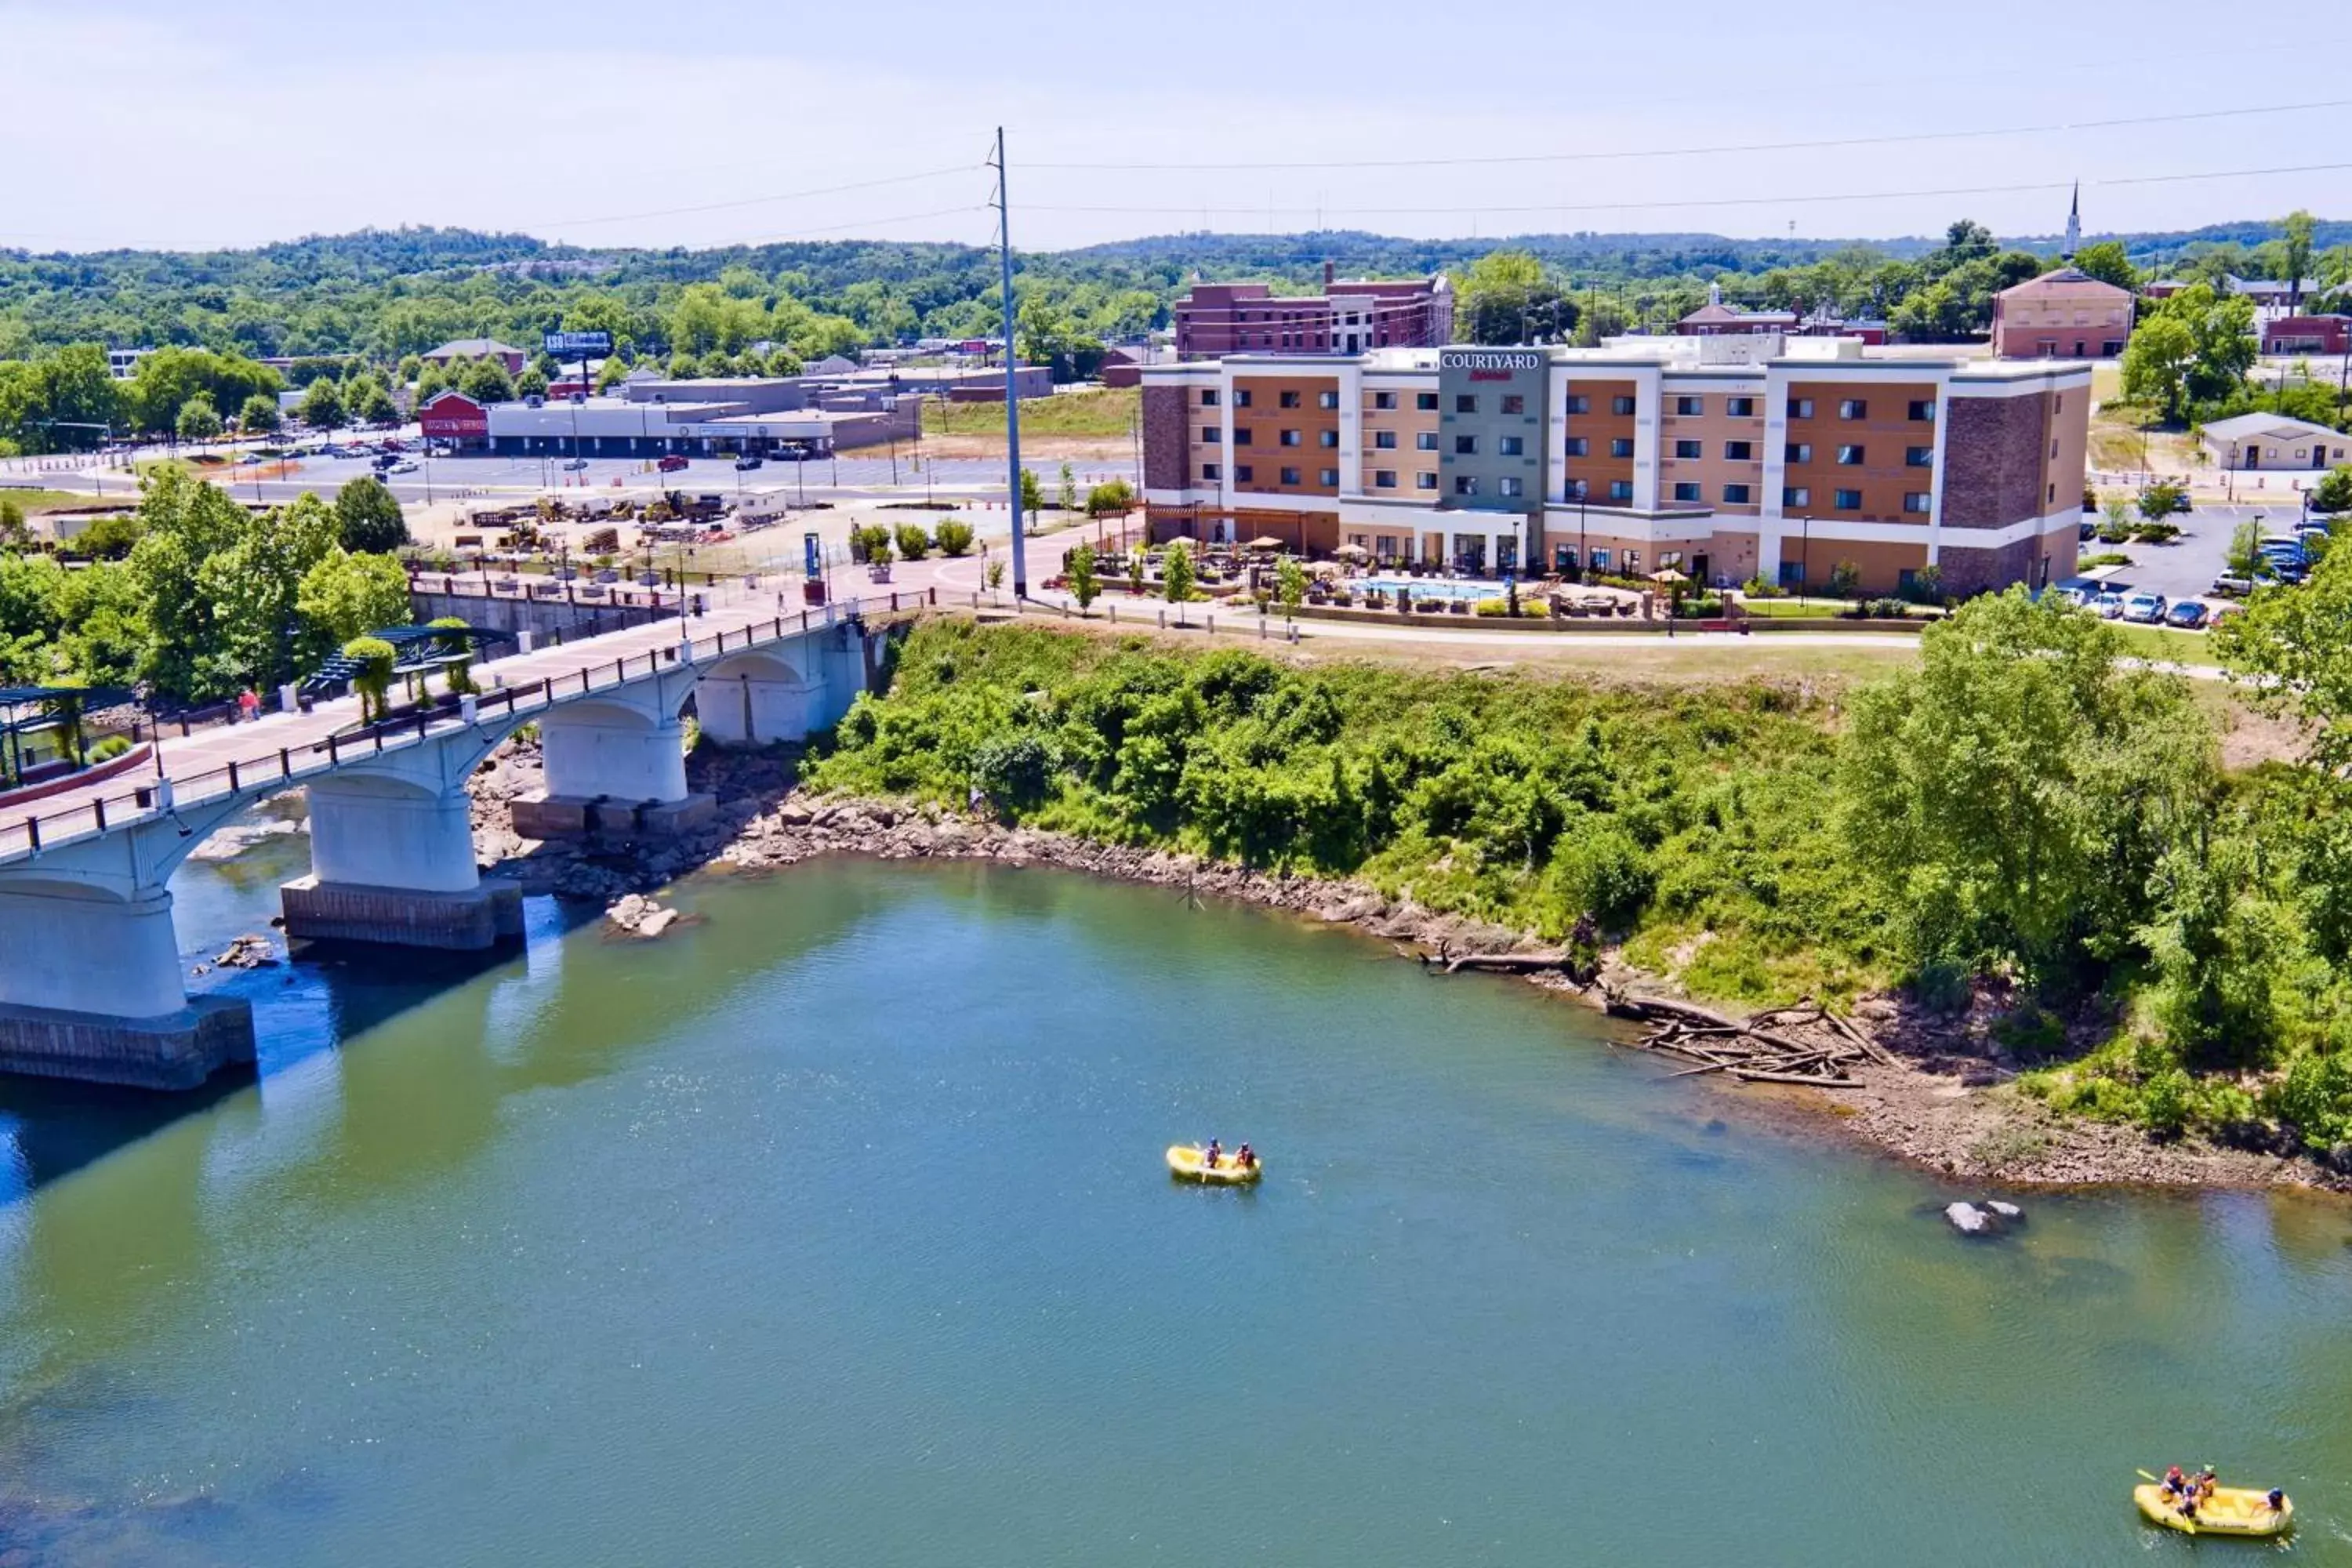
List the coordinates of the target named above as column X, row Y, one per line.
column 833, row 1228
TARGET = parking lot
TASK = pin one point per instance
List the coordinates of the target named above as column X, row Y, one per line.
column 2185, row 569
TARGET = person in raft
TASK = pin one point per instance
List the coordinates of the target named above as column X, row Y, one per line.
column 2175, row 1483
column 2277, row 1499
column 1209, row 1161
column 1245, row 1158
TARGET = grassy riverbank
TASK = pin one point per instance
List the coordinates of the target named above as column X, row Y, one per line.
column 2016, row 816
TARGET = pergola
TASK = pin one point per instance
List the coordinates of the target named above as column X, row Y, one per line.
column 415, row 650
column 30, row 710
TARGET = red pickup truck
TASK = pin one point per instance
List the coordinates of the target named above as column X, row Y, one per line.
column 671, row 464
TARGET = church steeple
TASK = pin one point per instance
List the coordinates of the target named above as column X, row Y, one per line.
column 2075, row 223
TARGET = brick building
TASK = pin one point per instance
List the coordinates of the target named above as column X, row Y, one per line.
column 2063, row 314
column 1352, row 315
column 1780, row 463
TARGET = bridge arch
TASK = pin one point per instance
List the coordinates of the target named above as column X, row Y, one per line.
column 610, row 746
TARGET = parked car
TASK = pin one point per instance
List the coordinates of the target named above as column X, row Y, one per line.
column 2090, row 530
column 747, row 462
column 2186, row 613
column 2231, row 586
column 2106, row 606
column 671, row 464
column 2144, row 609
column 573, row 465
column 403, row 466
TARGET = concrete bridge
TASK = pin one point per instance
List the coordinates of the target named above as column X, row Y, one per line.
column 90, row 982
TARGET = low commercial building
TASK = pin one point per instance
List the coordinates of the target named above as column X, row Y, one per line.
column 2307, row 335
column 2062, row 314
column 451, row 417
column 1780, row 460
column 1352, row 315
column 478, row 348
column 2273, row 441
column 621, row 427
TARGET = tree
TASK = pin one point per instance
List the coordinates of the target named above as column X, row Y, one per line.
column 1845, row 579
column 913, row 543
column 612, row 373
column 531, row 383
column 2110, row 263
column 14, row 534
column 198, row 420
column 410, row 367
column 1033, row 498
column 372, row 678
column 953, row 536
column 1112, row 498
column 2334, row 492
column 259, row 415
column 2157, row 360
column 1084, row 586
column 1289, row 583
column 185, row 523
column 368, row 517
column 1508, row 298
column 2013, row 795
column 2161, row 500
column 486, row 382
column 2244, row 556
column 321, row 407
column 1067, row 498
column 1176, row 572
column 2298, row 227
column 460, row 650
column 343, row 595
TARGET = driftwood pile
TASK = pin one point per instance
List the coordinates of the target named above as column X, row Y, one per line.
column 1805, row 1044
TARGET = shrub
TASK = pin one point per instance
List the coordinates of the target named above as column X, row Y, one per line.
column 108, row 539
column 109, row 748
column 2334, row 493
column 1013, row 770
column 1498, row 608
column 1845, row 579
column 2157, row 532
column 460, row 674
column 953, row 536
column 913, row 543
column 372, row 680
column 2161, row 500
column 2164, row 1103
column 2315, row 1098
column 1885, row 609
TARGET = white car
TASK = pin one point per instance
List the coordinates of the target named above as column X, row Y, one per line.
column 2146, row 610
column 2108, row 606
column 406, row 466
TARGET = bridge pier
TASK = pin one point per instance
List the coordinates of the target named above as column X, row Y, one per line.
column 91, row 988
column 615, row 764
column 392, row 855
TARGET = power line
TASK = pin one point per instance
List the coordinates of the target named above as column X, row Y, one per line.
column 1595, row 156
column 1255, row 210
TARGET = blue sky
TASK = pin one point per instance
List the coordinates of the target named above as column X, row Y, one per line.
column 138, row 122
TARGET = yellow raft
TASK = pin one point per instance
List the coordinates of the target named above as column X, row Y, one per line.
column 1188, row 1162
column 2232, row 1510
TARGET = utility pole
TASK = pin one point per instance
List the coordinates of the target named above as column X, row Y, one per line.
column 1012, row 379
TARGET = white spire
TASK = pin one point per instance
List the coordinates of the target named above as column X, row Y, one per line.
column 2075, row 223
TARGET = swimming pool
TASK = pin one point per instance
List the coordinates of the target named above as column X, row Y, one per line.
column 1472, row 589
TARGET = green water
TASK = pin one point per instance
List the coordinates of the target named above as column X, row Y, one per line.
column 832, row 1229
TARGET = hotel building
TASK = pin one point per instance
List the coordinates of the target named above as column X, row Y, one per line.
column 1729, row 458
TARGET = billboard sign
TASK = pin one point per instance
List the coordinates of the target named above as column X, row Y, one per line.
column 572, row 345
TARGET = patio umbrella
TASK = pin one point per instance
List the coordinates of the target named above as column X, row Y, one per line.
column 1353, row 553
column 1266, row 542
column 1668, row 575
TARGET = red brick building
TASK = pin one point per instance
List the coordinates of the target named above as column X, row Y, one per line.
column 1352, row 315
column 2306, row 335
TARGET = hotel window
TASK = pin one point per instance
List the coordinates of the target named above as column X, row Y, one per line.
column 1241, row 398
column 1465, row 485
column 1621, row 446
column 1917, row 503
column 1208, row 397
column 1600, row 561
column 1466, row 445
column 1741, row 407
column 1327, row 476
column 1385, row 440
column 1621, row 490
column 1579, row 446
column 1563, row 559
column 1515, row 403
column 1290, row 476
column 1289, row 399
column 1737, row 495
column 1243, row 475
column 1509, row 487
column 1854, row 408
column 1208, row 470
column 1511, row 446
column 1798, row 451
column 1291, row 439
column 1384, row 400
column 1425, row 481
column 1795, row 495
column 1209, row 433
column 1850, row 457
column 1326, row 400
column 1688, row 405
column 1685, row 489
column 1689, row 448
column 1425, row 400
column 1922, row 409
column 1848, row 501
column 1384, row 478
column 1425, row 441
column 1244, row 435
column 1800, row 408
column 1918, row 457
column 1579, row 405
column 1633, row 560
column 1466, row 402
column 1739, row 451
column 1327, row 437
column 1620, row 405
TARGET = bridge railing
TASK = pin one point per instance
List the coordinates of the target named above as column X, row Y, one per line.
column 267, row 770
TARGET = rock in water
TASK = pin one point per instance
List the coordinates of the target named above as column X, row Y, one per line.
column 1968, row 1219
column 656, row 922
column 2006, row 1211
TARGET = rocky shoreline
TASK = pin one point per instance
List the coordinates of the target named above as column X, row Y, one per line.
column 1945, row 1104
